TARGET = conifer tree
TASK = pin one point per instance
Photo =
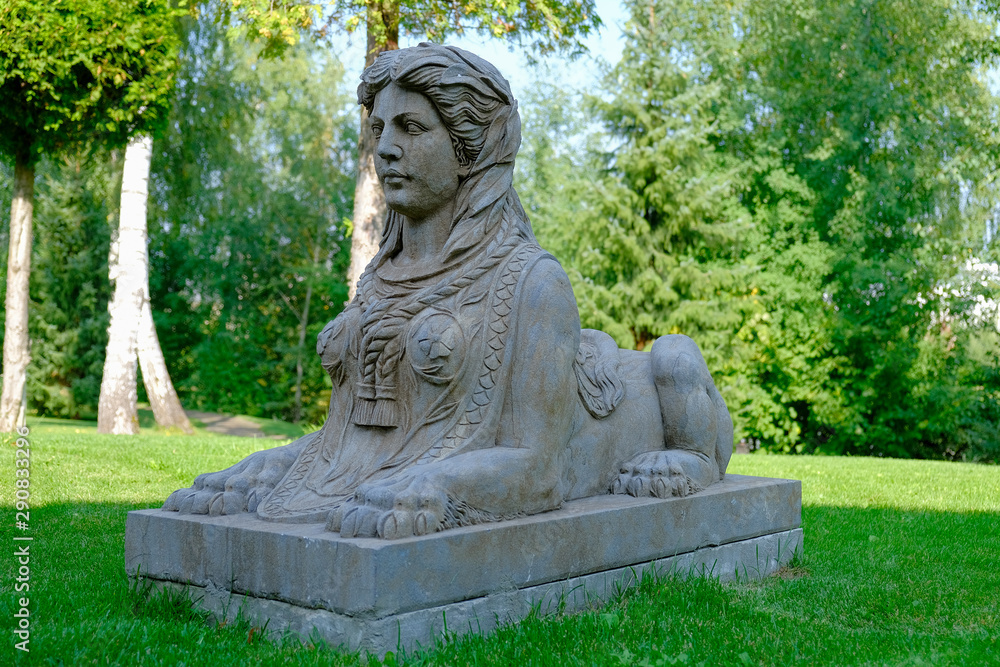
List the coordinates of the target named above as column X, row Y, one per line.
column 805, row 203
column 657, row 250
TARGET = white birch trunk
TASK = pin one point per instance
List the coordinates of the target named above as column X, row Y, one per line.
column 16, row 352
column 117, row 411
column 369, row 208
column 162, row 397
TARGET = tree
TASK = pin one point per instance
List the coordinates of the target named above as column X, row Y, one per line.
column 251, row 189
column 657, row 245
column 541, row 25
column 131, row 332
column 74, row 201
column 70, row 73
column 885, row 116
column 816, row 207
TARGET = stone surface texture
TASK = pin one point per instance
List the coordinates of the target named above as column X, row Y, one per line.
column 357, row 591
column 464, row 389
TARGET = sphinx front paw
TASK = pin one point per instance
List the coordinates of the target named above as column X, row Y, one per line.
column 392, row 509
column 665, row 473
column 240, row 488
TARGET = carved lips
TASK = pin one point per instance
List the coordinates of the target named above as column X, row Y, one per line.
column 393, row 176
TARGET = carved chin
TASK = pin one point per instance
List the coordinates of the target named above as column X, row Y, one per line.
column 405, row 207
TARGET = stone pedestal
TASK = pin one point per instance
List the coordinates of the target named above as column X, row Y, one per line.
column 379, row 595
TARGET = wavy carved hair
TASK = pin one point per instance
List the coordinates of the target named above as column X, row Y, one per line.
column 467, row 105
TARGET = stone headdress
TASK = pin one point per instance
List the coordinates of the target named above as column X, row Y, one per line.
column 478, row 109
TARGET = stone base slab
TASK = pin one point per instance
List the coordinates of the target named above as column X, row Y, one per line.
column 749, row 559
column 380, row 595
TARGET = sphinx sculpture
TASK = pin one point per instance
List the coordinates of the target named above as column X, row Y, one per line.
column 464, row 390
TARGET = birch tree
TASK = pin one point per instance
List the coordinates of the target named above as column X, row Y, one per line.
column 167, row 409
column 71, row 73
column 131, row 333
column 15, row 341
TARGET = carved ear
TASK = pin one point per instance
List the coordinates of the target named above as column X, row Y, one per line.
column 463, row 171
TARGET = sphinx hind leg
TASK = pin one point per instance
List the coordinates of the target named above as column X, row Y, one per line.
column 695, row 417
column 697, row 428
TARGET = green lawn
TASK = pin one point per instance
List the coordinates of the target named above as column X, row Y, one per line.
column 901, row 568
column 45, row 426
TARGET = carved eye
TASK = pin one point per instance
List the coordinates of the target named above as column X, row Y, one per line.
column 413, row 128
column 377, row 131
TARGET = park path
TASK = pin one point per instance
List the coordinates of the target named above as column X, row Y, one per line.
column 229, row 425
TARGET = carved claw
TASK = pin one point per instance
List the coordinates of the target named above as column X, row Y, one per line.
column 173, row 501
column 395, row 525
column 239, row 488
column 618, row 486
column 638, row 486
column 228, row 502
column 335, row 520
column 255, row 497
column 197, row 502
column 425, row 523
column 359, row 522
column 665, row 474
column 215, row 506
column 660, row 488
column 348, row 527
column 369, row 523
column 392, row 509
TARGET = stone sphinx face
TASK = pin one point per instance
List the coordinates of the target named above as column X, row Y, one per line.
column 414, row 158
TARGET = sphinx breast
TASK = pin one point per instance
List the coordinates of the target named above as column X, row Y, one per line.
column 436, row 346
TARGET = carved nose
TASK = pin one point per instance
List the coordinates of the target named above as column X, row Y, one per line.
column 388, row 150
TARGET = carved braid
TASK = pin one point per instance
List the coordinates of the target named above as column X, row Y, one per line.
column 384, row 319
column 497, row 330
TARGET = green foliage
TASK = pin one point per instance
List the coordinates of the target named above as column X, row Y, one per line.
column 74, row 70
column 251, row 186
column 74, row 204
column 70, row 290
column 807, row 188
column 787, row 349
column 556, row 172
column 885, row 117
column 543, row 26
column 655, row 233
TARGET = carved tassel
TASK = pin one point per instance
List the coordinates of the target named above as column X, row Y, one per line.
column 375, row 406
